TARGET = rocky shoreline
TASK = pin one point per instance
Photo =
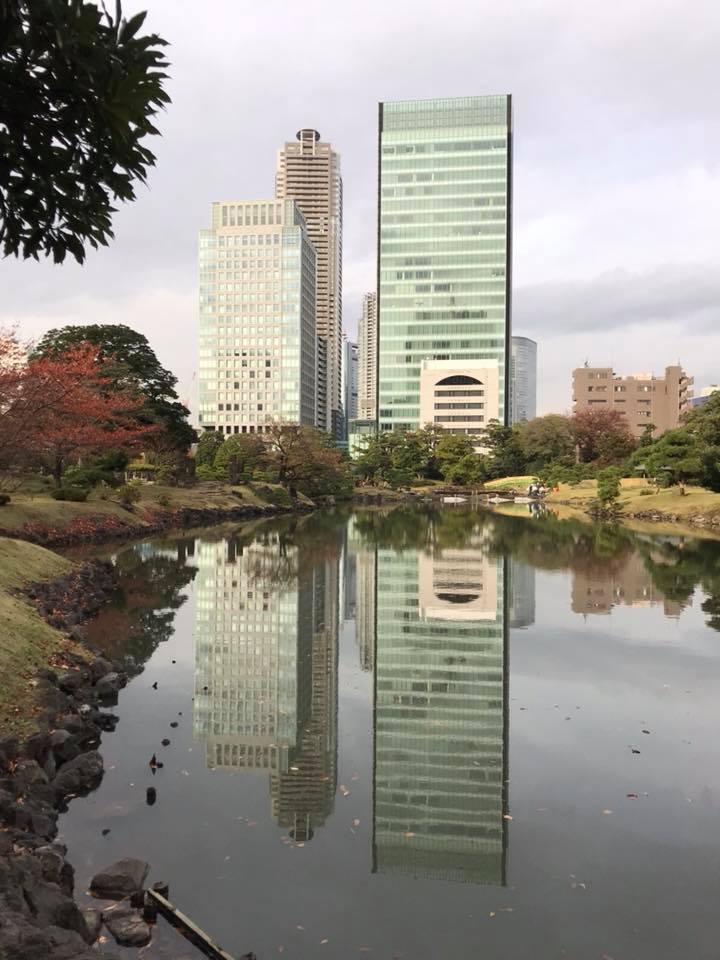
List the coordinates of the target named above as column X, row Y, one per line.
column 42, row 773
column 695, row 520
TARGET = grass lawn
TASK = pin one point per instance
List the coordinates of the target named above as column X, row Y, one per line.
column 41, row 508
column 510, row 483
column 26, row 641
column 638, row 495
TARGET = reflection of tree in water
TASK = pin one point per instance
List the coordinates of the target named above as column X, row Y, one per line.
column 677, row 568
column 595, row 550
column 141, row 614
column 317, row 534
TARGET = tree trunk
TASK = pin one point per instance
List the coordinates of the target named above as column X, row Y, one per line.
column 57, row 471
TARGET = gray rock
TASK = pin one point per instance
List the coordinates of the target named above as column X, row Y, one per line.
column 64, row 745
column 120, row 879
column 51, row 907
column 127, row 926
column 72, row 722
column 93, row 922
column 108, row 686
column 79, row 776
column 99, row 668
column 70, row 681
column 21, row 939
column 29, row 774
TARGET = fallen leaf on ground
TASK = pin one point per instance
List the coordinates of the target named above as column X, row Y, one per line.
column 408, row 833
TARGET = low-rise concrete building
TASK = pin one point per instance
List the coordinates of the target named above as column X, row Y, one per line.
column 643, row 398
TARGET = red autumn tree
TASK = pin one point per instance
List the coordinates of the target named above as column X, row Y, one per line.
column 602, row 435
column 71, row 410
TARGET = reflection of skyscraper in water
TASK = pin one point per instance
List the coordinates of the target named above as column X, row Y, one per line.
column 521, row 593
column 303, row 794
column 440, row 715
column 364, row 599
column 266, row 671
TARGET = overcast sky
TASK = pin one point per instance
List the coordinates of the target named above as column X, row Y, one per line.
column 617, row 170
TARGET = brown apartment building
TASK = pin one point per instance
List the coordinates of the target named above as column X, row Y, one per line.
column 642, row 397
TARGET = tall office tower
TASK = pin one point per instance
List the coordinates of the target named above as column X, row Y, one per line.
column 523, row 379
column 440, row 714
column 349, row 383
column 444, row 249
column 367, row 359
column 308, row 171
column 257, row 343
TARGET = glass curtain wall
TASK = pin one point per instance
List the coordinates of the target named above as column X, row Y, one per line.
column 444, row 246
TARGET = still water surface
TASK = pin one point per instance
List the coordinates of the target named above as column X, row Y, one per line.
column 409, row 734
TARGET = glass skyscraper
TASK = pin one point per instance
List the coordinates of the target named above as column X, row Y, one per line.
column 444, row 245
column 257, row 342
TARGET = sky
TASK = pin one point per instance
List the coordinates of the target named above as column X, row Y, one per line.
column 616, row 168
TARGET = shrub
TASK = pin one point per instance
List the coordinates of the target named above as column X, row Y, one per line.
column 167, row 476
column 163, row 501
column 205, row 471
column 608, row 486
column 74, row 494
column 128, row 494
column 275, row 495
column 4, row 498
column 89, row 477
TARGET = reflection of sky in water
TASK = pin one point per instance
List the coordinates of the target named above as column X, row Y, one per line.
column 594, row 660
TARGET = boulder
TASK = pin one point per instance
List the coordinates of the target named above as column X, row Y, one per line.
column 120, row 879
column 70, row 681
column 28, row 775
column 127, row 926
column 107, row 687
column 21, row 939
column 79, row 776
column 72, row 722
column 93, row 922
column 64, row 745
column 99, row 668
column 51, row 907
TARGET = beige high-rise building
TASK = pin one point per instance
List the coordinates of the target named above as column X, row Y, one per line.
column 308, row 171
column 257, row 361
column 367, row 358
column 643, row 398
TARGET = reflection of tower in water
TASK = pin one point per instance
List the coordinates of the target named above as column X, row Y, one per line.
column 440, row 715
column 303, row 794
column 266, row 671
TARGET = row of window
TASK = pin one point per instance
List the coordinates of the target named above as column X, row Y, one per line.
column 444, row 418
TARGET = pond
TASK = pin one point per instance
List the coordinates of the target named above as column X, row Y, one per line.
column 418, row 733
